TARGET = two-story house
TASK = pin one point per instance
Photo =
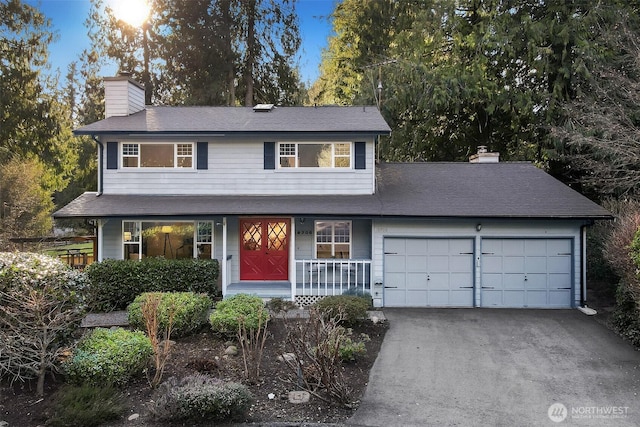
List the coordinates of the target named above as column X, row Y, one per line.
column 293, row 204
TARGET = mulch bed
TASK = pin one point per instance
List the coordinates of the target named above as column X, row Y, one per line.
column 20, row 407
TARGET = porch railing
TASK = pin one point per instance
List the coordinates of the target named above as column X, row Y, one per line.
column 332, row 276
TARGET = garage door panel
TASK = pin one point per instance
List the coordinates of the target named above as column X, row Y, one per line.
column 415, row 247
column 559, row 264
column 512, row 264
column 512, row 246
column 437, row 272
column 536, row 264
column 417, row 298
column 395, row 263
column 491, row 264
column 416, row 281
column 416, row 263
column 438, row 263
column 459, row 263
column 513, row 281
column 395, row 280
column 535, row 273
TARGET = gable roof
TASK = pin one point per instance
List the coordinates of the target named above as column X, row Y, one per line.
column 423, row 190
column 224, row 120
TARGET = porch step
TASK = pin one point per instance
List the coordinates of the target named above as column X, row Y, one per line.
column 262, row 289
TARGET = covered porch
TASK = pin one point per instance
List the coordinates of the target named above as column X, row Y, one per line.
column 312, row 279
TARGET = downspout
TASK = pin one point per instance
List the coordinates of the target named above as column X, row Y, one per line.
column 100, row 157
column 583, row 271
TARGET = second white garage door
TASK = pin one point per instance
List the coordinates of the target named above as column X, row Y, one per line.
column 526, row 273
column 421, row 272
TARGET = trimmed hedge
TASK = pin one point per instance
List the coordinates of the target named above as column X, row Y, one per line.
column 191, row 311
column 114, row 284
column 109, row 356
column 224, row 320
column 351, row 309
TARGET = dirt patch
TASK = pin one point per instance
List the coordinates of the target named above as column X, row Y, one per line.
column 204, row 352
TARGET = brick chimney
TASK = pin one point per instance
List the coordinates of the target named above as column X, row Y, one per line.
column 483, row 156
column 122, row 96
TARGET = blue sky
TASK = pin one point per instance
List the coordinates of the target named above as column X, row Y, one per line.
column 68, row 16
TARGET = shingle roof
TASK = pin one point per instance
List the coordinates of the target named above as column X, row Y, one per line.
column 427, row 190
column 218, row 120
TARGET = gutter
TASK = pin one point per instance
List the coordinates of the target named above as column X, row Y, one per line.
column 100, row 159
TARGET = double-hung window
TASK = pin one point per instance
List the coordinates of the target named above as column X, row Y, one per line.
column 314, row 155
column 157, row 155
column 333, row 239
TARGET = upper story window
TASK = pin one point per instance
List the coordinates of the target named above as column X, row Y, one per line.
column 157, row 155
column 314, row 155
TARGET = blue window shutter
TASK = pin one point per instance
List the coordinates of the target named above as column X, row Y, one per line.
column 360, row 149
column 202, row 151
column 269, row 155
column 112, row 155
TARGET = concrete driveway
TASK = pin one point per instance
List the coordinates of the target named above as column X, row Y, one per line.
column 488, row 367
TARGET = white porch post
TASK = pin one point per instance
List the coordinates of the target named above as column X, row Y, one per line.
column 292, row 259
column 223, row 266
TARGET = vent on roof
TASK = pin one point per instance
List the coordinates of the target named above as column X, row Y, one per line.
column 263, row 108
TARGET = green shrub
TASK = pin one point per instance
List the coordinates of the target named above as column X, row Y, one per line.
column 85, row 406
column 359, row 292
column 109, row 356
column 224, row 320
column 114, row 284
column 348, row 309
column 350, row 349
column 199, row 397
column 41, row 306
column 626, row 316
column 191, row 311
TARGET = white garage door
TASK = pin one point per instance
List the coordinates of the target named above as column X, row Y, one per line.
column 526, row 273
column 420, row 272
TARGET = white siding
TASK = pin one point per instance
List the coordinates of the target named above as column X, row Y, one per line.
column 467, row 229
column 236, row 167
column 122, row 98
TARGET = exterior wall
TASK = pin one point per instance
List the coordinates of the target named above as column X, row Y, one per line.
column 236, row 167
column 122, row 97
column 467, row 229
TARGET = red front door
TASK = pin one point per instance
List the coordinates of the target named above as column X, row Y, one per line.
column 264, row 249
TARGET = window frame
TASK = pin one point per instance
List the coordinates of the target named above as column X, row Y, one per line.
column 137, row 240
column 294, row 154
column 176, row 156
column 333, row 242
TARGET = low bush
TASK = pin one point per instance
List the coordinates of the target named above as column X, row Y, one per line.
column 114, row 284
column 359, row 292
column 347, row 309
column 190, row 311
column 225, row 319
column 85, row 406
column 199, row 397
column 109, row 356
column 349, row 348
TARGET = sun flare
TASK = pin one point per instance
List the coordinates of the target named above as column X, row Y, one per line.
column 133, row 12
